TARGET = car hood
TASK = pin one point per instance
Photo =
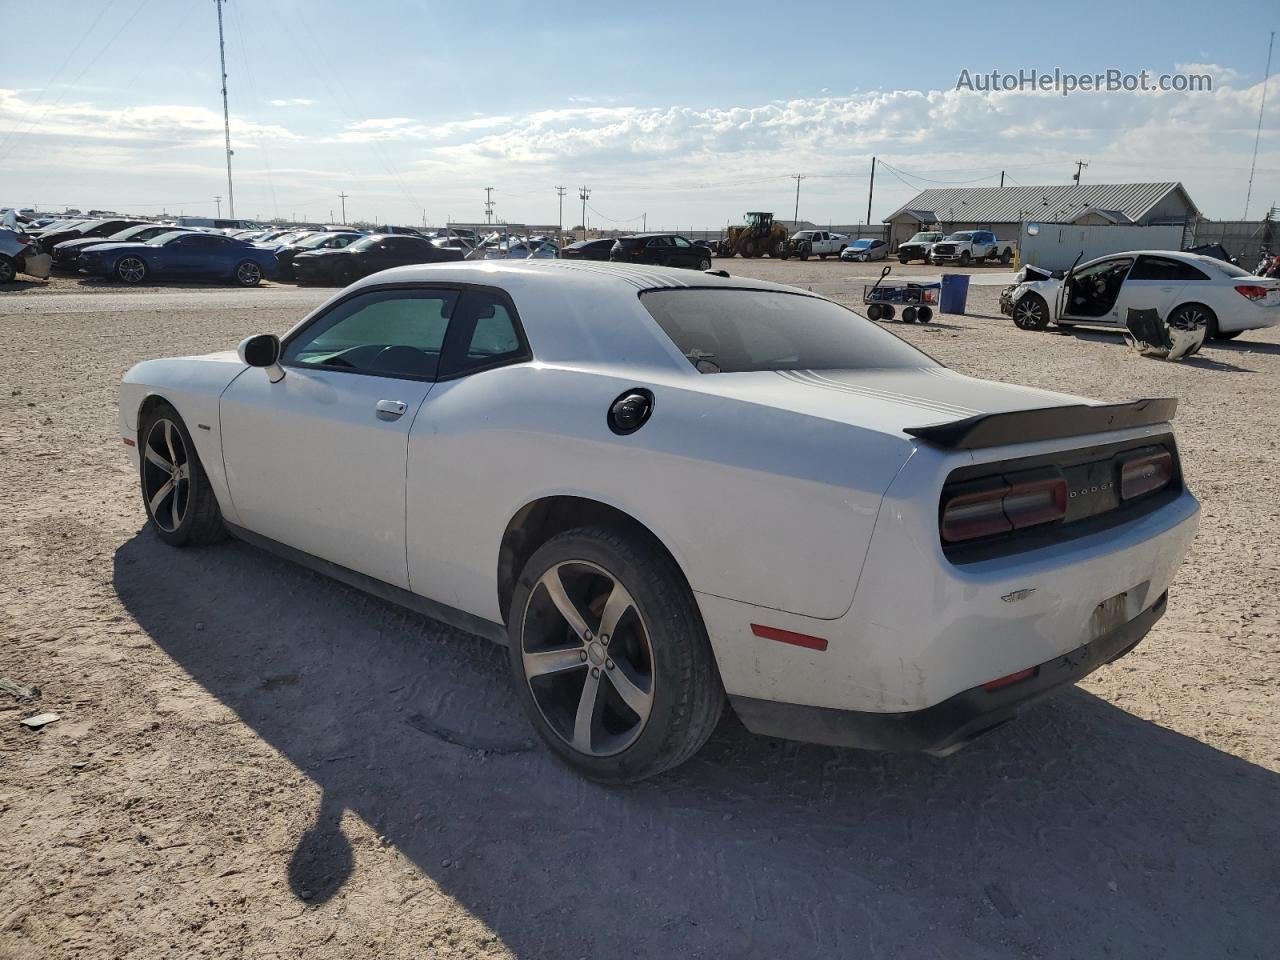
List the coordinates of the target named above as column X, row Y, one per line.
column 888, row 401
column 317, row 254
column 101, row 246
column 81, row 242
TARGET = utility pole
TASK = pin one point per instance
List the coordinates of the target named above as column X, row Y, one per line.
column 1258, row 136
column 343, row 198
column 871, row 189
column 560, row 192
column 1001, row 179
column 226, row 112
column 584, row 194
column 644, row 223
column 488, row 204
column 797, row 178
column 218, row 202
column 1080, row 165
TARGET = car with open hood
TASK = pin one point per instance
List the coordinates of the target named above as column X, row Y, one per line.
column 1186, row 289
column 663, row 492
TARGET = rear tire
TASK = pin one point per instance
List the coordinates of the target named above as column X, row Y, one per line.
column 176, row 494
column 704, row 263
column 248, row 274
column 1005, row 257
column 924, row 314
column 1189, row 313
column 8, row 270
column 610, row 657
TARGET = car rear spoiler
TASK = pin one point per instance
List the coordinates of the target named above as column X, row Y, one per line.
column 1046, row 423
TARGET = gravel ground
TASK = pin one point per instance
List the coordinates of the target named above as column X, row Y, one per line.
column 255, row 762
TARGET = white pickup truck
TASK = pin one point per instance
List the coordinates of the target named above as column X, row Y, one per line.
column 820, row 243
column 972, row 246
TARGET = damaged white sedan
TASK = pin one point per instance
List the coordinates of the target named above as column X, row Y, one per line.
column 1186, row 290
column 665, row 491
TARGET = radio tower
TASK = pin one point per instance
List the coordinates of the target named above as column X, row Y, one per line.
column 226, row 113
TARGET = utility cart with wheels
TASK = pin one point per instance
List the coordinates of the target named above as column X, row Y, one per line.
column 916, row 299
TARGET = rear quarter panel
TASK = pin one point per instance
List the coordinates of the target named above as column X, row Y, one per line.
column 754, row 503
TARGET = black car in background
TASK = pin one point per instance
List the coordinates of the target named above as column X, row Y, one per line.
column 661, row 250
column 329, row 240
column 100, row 229
column 368, row 255
column 588, row 250
column 67, row 253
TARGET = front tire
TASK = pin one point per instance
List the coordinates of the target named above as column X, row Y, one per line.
column 8, row 270
column 965, row 259
column 176, row 494
column 704, row 263
column 610, row 656
column 131, row 270
column 1031, row 312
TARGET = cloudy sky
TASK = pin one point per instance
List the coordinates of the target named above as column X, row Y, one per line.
column 688, row 112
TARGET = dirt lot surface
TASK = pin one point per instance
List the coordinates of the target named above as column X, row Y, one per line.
column 252, row 761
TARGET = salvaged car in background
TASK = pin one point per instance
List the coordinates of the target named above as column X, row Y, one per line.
column 658, row 493
column 816, row 243
column 180, row 254
column 918, row 247
column 1183, row 288
column 865, row 249
column 19, row 253
column 972, row 246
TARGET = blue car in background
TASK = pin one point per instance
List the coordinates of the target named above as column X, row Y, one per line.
column 181, row 254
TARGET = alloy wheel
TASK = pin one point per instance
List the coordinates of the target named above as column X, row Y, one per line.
column 1026, row 314
column 131, row 269
column 248, row 273
column 166, row 475
column 587, row 658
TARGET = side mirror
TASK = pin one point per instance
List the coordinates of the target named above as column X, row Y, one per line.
column 263, row 351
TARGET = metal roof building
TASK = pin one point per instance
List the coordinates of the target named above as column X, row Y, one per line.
column 961, row 208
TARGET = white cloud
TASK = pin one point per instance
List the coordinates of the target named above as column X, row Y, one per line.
column 172, row 124
column 291, row 102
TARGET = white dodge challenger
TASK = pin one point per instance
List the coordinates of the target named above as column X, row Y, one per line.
column 660, row 488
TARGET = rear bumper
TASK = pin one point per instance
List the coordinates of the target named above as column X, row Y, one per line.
column 947, row 726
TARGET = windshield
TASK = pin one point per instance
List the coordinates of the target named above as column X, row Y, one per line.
column 365, row 243
column 310, row 243
column 728, row 330
column 961, row 236
column 923, row 238
column 860, row 244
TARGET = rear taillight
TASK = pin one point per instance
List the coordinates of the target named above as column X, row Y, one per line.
column 1252, row 291
column 1145, row 472
column 997, row 505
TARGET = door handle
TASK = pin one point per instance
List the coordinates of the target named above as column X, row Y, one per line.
column 390, row 409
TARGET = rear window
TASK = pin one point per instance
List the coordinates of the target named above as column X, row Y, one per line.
column 729, row 330
column 1228, row 269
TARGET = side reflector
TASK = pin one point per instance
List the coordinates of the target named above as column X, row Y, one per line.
column 1011, row 679
column 787, row 636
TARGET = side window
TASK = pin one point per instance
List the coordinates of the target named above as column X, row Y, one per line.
column 1161, row 268
column 681, row 242
column 484, row 333
column 390, row 333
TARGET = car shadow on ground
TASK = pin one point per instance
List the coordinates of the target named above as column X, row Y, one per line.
column 104, row 283
column 1077, row 831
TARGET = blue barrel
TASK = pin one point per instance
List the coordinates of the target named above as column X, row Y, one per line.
column 955, row 292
